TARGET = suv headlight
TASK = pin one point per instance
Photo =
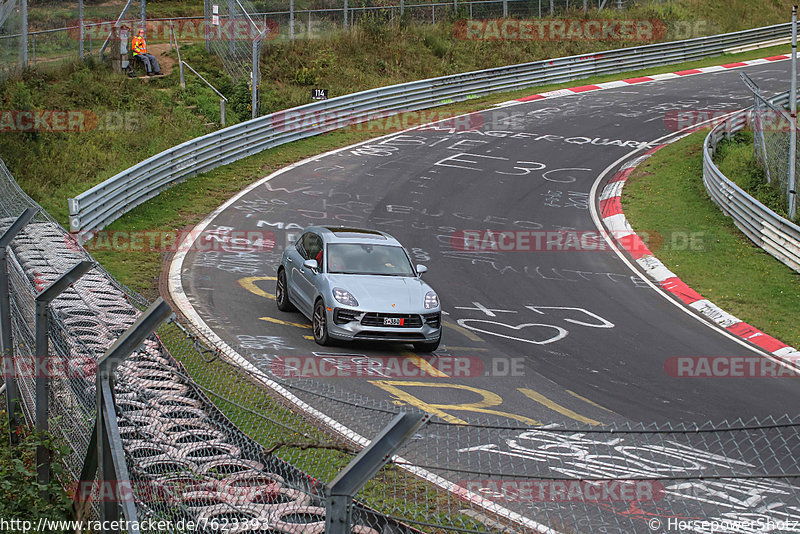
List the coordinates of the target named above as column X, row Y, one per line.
column 431, row 300
column 344, row 296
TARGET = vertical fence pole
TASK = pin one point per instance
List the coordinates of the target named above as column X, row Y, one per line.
column 207, row 24
column 345, row 14
column 255, row 73
column 23, row 43
column 222, row 112
column 143, row 14
column 42, row 357
column 505, row 8
column 291, row 20
column 33, row 48
column 552, row 8
column 81, row 29
column 6, row 341
column 792, row 186
column 340, row 493
column 308, row 28
column 403, row 6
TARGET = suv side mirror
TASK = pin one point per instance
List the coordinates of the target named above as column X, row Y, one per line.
column 311, row 264
column 421, row 269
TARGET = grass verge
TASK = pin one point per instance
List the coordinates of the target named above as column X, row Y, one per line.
column 666, row 195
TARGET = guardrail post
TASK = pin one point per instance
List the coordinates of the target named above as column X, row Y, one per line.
column 105, row 452
column 340, row 493
column 222, row 112
column 42, row 356
column 6, row 341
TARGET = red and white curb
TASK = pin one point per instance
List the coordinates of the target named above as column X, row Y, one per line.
column 610, row 208
column 642, row 79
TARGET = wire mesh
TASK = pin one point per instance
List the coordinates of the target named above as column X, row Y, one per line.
column 771, row 139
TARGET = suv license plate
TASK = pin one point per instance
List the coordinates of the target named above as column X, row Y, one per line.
column 393, row 321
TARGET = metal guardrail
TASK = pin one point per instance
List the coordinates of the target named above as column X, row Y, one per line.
column 776, row 235
column 99, row 206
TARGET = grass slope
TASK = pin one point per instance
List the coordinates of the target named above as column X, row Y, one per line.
column 666, row 195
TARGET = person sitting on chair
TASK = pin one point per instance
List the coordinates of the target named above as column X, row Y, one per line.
column 140, row 51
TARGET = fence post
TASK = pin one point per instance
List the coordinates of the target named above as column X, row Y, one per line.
column 105, row 451
column 33, row 48
column 792, row 185
column 340, row 493
column 81, row 29
column 23, row 44
column 345, row 14
column 42, row 356
column 6, row 341
column 552, row 8
column 256, row 76
column 143, row 14
column 291, row 20
column 505, row 9
column 402, row 7
column 222, row 112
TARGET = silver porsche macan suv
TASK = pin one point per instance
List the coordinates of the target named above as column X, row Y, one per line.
column 356, row 284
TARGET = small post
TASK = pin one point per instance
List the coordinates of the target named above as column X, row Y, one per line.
column 552, row 8
column 505, row 9
column 6, row 341
column 345, row 14
column 33, row 48
column 23, row 43
column 291, row 20
column 42, row 356
column 308, row 28
column 402, row 7
column 340, row 493
column 207, row 24
column 221, row 111
column 792, row 186
column 81, row 28
column 143, row 14
column 256, row 77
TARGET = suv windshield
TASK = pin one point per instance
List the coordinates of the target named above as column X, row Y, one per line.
column 359, row 258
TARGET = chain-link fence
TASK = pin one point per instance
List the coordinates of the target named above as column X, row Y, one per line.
column 212, row 435
column 772, row 134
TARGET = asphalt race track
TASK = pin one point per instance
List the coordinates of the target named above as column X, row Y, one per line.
column 551, row 335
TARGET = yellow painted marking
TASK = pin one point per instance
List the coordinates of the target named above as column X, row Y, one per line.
column 460, row 329
column 488, row 400
column 249, row 283
column 287, row 323
column 584, row 399
column 541, row 399
column 309, row 337
column 423, row 364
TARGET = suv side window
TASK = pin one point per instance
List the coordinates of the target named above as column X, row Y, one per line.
column 299, row 246
column 312, row 244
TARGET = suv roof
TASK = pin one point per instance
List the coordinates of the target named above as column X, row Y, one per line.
column 346, row 234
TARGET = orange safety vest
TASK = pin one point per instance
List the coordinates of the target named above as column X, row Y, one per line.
column 139, row 45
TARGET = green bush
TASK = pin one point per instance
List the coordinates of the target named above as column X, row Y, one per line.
column 20, row 493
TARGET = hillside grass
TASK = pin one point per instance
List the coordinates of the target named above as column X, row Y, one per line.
column 666, row 195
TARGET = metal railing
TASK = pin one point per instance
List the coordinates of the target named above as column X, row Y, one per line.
column 104, row 203
column 776, row 235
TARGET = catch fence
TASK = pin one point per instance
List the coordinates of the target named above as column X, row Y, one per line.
column 211, row 435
